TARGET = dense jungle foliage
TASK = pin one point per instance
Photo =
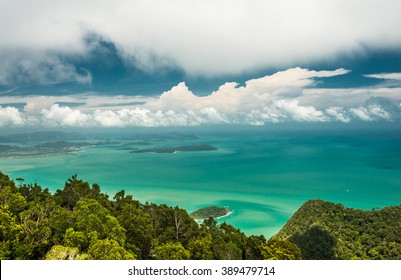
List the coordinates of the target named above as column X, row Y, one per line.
column 80, row 222
column 324, row 230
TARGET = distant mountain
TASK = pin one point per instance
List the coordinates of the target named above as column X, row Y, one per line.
column 324, row 230
column 41, row 136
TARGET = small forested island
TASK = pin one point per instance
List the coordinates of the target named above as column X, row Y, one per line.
column 79, row 222
column 171, row 150
column 210, row 212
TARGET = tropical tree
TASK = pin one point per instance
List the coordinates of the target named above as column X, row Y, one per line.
column 59, row 252
column 107, row 249
column 280, row 250
column 172, row 251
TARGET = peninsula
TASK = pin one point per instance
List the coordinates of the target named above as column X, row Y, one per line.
column 43, row 149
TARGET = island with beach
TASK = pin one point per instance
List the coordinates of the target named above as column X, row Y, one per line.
column 211, row 212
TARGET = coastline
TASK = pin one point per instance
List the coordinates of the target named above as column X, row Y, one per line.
column 229, row 213
column 40, row 155
column 252, row 176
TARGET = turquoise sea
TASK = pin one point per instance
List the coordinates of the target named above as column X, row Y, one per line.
column 264, row 175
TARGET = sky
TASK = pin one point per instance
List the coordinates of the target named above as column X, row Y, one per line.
column 159, row 63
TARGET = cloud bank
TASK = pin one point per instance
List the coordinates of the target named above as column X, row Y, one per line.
column 286, row 96
column 205, row 37
column 39, row 68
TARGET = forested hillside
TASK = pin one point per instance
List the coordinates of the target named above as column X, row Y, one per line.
column 81, row 222
column 324, row 230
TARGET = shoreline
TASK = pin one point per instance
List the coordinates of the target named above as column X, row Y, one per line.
column 229, row 213
column 44, row 155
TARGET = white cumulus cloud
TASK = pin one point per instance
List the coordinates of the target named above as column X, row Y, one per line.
column 299, row 113
column 230, row 98
column 10, row 116
column 64, row 116
column 285, row 96
column 338, row 114
column 371, row 113
column 361, row 113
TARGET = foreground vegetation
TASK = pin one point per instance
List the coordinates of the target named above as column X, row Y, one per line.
column 324, row 230
column 81, row 222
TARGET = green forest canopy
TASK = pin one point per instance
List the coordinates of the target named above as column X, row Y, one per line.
column 80, row 222
column 324, row 230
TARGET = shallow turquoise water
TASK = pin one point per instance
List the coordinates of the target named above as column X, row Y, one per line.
column 264, row 176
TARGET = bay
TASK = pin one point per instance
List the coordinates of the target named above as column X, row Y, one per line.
column 263, row 175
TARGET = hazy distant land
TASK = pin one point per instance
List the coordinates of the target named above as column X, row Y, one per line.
column 264, row 174
column 48, row 143
column 43, row 149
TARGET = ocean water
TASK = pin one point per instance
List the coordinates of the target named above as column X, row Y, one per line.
column 263, row 175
